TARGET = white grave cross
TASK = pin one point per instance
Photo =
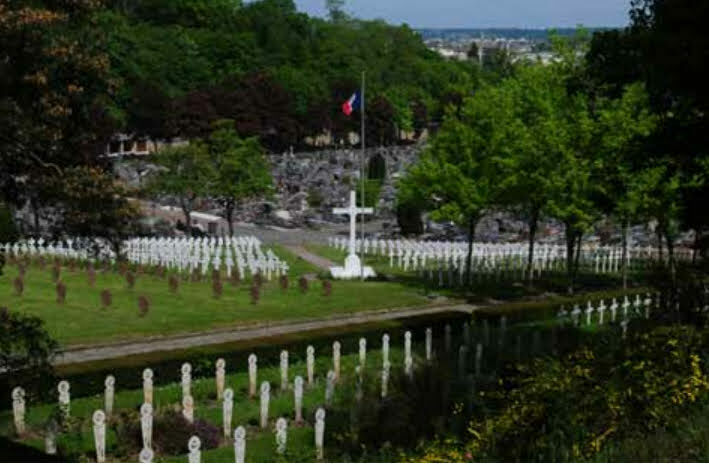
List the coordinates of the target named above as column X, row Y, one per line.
column 353, row 266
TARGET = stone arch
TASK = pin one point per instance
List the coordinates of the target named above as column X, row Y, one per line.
column 377, row 167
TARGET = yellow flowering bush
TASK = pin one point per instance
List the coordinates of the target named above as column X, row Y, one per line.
column 569, row 409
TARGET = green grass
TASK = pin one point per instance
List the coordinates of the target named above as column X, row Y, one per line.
column 80, row 320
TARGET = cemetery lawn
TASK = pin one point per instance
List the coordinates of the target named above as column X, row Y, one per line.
column 81, row 320
column 77, row 441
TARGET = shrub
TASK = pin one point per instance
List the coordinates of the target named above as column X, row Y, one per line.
column 143, row 305
column 171, row 432
column 130, row 279
column 174, row 283
column 598, row 394
column 255, row 294
column 26, row 352
column 327, row 288
column 303, row 284
column 61, row 292
column 284, row 282
column 106, row 298
column 19, row 284
column 8, row 230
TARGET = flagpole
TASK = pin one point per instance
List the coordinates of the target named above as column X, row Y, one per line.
column 361, row 177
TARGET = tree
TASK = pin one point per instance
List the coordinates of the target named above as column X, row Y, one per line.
column 92, row 204
column 26, row 351
column 336, row 10
column 187, row 174
column 536, row 137
column 457, row 176
column 241, row 170
column 54, row 89
column 623, row 126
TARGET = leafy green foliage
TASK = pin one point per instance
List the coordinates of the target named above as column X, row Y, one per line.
column 26, row 352
column 187, row 174
column 240, row 168
column 277, row 73
column 571, row 408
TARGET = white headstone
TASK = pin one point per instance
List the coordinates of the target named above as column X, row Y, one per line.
column 50, row 440
column 298, row 398
column 194, row 445
column 284, row 370
column 336, row 359
column 362, row 352
column 239, row 444
column 265, row 399
column 110, row 386
column 146, row 455
column 385, row 378
column 253, row 361
column 64, row 399
column 99, row 420
column 227, row 410
column 478, row 358
column 310, row 362
column 220, row 375
column 186, row 382
column 329, row 387
column 281, row 435
column 319, row 432
column 429, row 344
column 148, row 386
column 188, row 408
column 18, row 409
column 385, row 348
column 146, row 425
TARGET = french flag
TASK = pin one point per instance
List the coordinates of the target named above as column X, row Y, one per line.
column 352, row 104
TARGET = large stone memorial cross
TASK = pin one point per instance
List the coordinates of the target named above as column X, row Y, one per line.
column 353, row 265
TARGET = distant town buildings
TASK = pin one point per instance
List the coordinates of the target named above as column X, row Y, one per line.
column 126, row 145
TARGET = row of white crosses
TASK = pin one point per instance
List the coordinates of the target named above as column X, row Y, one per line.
column 226, row 395
column 639, row 307
column 70, row 248
column 243, row 254
column 449, row 258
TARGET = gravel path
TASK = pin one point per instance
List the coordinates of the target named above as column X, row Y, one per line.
column 317, row 260
column 94, row 353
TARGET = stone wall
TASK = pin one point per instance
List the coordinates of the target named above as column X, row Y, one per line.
column 310, row 184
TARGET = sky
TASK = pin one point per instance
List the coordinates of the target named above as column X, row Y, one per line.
column 485, row 13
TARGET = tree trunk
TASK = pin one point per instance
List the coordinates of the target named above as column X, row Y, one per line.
column 570, row 243
column 472, row 222
column 579, row 238
column 533, row 222
column 186, row 210
column 671, row 259
column 695, row 251
column 35, row 216
column 660, row 255
column 229, row 213
column 624, row 258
